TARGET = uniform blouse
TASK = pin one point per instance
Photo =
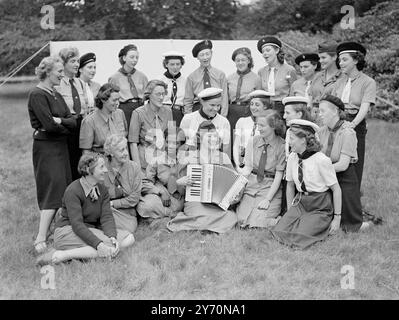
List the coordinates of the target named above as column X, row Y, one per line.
column 250, row 82
column 345, row 142
column 318, row 172
column 181, row 86
column 284, row 75
column 139, row 79
column 65, row 89
column 191, row 122
column 315, row 91
column 127, row 194
column 195, row 85
column 363, row 89
column 96, row 127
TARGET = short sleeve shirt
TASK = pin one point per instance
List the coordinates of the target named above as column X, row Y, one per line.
column 191, row 122
column 315, row 91
column 65, row 89
column 284, row 75
column 250, row 82
column 318, row 172
column 96, row 127
column 275, row 160
column 345, row 142
column 363, row 89
column 245, row 129
column 139, row 79
column 181, row 85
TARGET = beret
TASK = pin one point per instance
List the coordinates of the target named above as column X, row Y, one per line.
column 210, row 93
column 334, row 100
column 307, row 57
column 205, row 44
column 268, row 41
column 295, row 100
column 243, row 50
column 260, row 94
column 87, row 58
column 304, row 124
column 347, row 47
column 126, row 49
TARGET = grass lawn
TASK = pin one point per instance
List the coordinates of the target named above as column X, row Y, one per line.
column 188, row 265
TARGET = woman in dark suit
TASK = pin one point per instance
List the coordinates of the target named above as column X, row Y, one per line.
column 50, row 117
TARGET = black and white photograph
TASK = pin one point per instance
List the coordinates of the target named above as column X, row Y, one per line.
column 207, row 152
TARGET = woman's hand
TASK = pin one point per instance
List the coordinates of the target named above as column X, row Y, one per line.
column 116, row 247
column 165, row 197
column 264, row 204
column 184, row 181
column 334, row 227
column 57, row 120
column 104, row 251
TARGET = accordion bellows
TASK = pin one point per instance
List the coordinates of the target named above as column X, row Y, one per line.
column 214, row 184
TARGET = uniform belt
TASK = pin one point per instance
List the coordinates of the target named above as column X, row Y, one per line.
column 240, row 103
column 176, row 106
column 77, row 115
column 267, row 174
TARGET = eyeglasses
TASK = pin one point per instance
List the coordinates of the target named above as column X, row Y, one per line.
column 159, row 94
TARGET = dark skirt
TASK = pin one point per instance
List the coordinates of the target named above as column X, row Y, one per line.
column 52, row 172
column 73, row 148
column 352, row 216
column 128, row 108
column 307, row 222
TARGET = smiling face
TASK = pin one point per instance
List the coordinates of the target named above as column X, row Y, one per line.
column 326, row 61
column 204, row 57
column 112, row 103
column 269, row 53
column 174, row 66
column 99, row 171
column 290, row 113
column 257, row 107
column 307, row 69
column 157, row 95
column 131, row 58
column 241, row 62
column 264, row 129
column 56, row 74
column 120, row 153
column 211, row 107
column 71, row 67
column 88, row 71
column 347, row 63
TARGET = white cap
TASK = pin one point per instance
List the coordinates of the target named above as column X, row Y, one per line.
column 260, row 94
column 210, row 93
column 295, row 99
column 173, row 54
column 304, row 124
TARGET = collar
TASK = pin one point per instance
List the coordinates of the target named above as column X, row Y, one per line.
column 103, row 116
column 168, row 75
column 260, row 143
column 87, row 186
column 203, row 68
column 125, row 73
column 205, row 116
column 275, row 68
column 243, row 73
column 151, row 112
column 337, row 126
column 355, row 78
column 112, row 173
column 306, row 154
column 46, row 88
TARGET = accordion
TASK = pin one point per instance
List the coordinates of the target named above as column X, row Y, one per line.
column 214, row 184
